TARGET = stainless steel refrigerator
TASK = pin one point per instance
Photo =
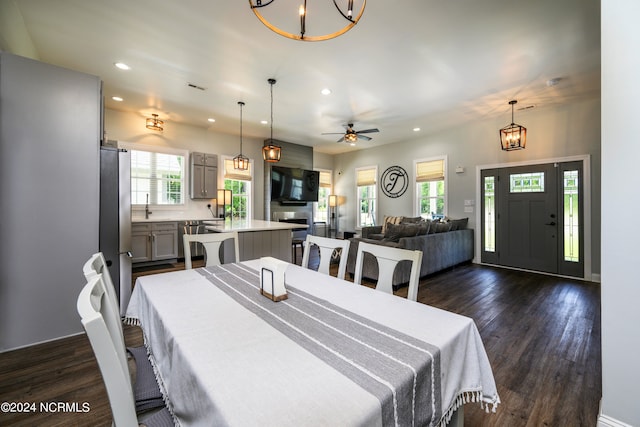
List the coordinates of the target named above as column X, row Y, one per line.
column 115, row 219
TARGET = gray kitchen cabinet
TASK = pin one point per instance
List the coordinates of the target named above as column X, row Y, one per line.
column 204, row 175
column 154, row 241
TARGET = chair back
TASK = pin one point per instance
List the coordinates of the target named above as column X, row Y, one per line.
column 94, row 307
column 211, row 243
column 388, row 257
column 327, row 247
column 97, row 266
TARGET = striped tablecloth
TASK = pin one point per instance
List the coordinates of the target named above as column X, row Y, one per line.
column 333, row 353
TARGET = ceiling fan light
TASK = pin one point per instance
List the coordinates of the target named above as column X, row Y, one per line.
column 154, row 123
column 351, row 137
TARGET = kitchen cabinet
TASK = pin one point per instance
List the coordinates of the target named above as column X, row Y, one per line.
column 204, row 175
column 154, row 241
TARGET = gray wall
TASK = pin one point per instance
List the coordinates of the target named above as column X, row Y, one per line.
column 551, row 133
column 620, row 154
column 49, row 167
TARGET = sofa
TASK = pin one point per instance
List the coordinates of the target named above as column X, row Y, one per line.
column 443, row 244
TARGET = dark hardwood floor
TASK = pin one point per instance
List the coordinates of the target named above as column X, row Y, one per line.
column 542, row 335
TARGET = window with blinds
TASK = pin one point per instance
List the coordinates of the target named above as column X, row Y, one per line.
column 366, row 188
column 239, row 182
column 157, row 178
column 431, row 188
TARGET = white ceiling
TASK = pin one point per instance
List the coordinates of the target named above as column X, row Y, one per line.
column 407, row 64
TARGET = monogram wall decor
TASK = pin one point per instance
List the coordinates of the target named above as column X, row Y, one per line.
column 394, row 181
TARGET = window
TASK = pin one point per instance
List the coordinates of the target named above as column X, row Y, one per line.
column 157, row 178
column 239, row 182
column 490, row 213
column 526, row 182
column 366, row 189
column 571, row 216
column 321, row 207
column 431, row 188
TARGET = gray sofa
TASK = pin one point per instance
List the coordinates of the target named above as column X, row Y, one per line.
column 440, row 250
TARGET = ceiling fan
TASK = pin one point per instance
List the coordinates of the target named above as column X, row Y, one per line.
column 352, row 135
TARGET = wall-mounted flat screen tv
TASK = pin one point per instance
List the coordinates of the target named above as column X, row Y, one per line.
column 294, row 185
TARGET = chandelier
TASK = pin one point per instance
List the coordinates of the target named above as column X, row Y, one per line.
column 240, row 161
column 154, row 123
column 513, row 136
column 346, row 13
column 270, row 152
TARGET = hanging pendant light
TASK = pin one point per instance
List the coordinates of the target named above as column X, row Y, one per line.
column 271, row 152
column 240, row 161
column 514, row 136
column 341, row 12
column 154, row 123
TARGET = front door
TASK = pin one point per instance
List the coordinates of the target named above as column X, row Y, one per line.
column 532, row 217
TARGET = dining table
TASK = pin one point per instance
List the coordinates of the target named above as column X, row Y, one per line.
column 333, row 353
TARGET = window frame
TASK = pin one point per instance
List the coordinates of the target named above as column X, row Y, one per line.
column 316, row 208
column 359, row 224
column 418, row 185
column 248, row 196
column 130, row 146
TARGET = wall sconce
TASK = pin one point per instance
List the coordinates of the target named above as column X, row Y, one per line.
column 224, row 199
column 154, row 123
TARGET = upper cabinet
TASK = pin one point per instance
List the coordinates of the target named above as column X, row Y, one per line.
column 204, row 175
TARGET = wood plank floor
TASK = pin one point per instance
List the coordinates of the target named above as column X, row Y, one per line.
column 542, row 335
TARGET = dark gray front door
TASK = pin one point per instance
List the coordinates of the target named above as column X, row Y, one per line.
column 532, row 217
column 528, row 218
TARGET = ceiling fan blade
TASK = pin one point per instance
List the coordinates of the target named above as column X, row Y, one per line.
column 341, row 139
column 366, row 138
column 367, row 131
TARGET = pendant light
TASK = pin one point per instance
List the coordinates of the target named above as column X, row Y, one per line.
column 240, row 161
column 271, row 152
column 514, row 136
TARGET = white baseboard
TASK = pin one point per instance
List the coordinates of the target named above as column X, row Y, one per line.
column 595, row 277
column 605, row 421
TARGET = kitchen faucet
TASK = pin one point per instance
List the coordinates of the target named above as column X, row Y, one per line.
column 147, row 212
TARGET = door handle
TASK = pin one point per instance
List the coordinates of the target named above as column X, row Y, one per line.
column 551, row 223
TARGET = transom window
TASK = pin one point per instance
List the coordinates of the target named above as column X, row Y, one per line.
column 157, row 178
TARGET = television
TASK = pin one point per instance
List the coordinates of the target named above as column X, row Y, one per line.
column 294, row 185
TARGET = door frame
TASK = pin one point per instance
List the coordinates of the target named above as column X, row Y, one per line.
column 586, row 192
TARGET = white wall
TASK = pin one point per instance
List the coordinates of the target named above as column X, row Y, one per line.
column 620, row 153
column 551, row 133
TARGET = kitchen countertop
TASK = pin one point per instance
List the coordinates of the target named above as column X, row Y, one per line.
column 251, row 225
column 176, row 218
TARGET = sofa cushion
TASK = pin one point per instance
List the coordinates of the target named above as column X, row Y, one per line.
column 395, row 232
column 458, row 224
column 423, row 228
column 390, row 220
column 441, row 227
column 411, row 219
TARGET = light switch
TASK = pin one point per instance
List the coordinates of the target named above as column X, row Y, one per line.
column 469, row 202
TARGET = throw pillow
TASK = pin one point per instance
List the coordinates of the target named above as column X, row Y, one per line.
column 442, row 227
column 397, row 231
column 458, row 224
column 423, row 228
column 390, row 220
column 411, row 219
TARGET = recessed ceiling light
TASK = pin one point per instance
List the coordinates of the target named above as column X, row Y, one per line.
column 211, row 120
column 325, row 91
column 264, row 122
column 122, row 66
column 117, row 98
column 416, row 129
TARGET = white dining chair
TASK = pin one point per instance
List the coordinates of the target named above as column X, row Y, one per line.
column 211, row 243
column 147, row 395
column 327, row 246
column 388, row 257
column 94, row 307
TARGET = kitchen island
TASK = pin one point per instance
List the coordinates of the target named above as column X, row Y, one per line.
column 258, row 238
